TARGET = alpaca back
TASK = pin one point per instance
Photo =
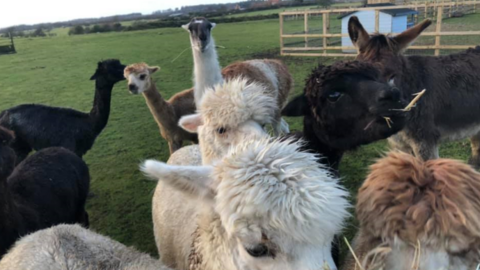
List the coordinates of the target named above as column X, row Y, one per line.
column 272, row 74
column 71, row 247
column 174, row 215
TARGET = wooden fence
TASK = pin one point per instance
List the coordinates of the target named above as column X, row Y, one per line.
column 434, row 10
column 7, row 46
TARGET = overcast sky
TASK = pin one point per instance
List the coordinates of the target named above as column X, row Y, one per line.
column 14, row 12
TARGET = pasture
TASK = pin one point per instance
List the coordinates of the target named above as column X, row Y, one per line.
column 56, row 70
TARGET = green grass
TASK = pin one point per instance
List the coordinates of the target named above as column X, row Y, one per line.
column 56, row 71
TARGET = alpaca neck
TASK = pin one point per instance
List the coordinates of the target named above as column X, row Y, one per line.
column 214, row 245
column 101, row 104
column 161, row 109
column 10, row 225
column 330, row 157
column 207, row 71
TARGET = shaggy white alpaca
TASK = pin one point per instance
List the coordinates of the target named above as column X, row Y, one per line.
column 272, row 74
column 265, row 205
column 228, row 114
column 71, row 247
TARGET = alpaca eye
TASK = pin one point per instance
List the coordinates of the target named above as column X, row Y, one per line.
column 221, row 130
column 334, row 96
column 258, row 251
column 142, row 77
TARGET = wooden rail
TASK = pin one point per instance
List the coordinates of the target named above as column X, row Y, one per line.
column 437, row 10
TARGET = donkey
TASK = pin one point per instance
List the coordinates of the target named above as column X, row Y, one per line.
column 450, row 108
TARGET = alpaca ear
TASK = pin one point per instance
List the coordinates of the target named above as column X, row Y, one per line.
column 185, row 26
column 213, row 25
column 296, row 107
column 407, row 37
column 357, row 33
column 154, row 69
column 191, row 122
column 191, row 180
column 94, row 76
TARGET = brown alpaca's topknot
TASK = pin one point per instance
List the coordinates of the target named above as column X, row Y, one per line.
column 6, row 136
column 436, row 202
column 135, row 68
column 321, row 75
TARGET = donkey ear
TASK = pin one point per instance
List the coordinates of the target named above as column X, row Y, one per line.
column 191, row 180
column 357, row 33
column 191, row 122
column 152, row 70
column 406, row 38
column 297, row 107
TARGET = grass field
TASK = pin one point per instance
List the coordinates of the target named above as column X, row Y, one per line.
column 56, row 71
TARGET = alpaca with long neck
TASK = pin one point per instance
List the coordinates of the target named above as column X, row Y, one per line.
column 38, row 126
column 273, row 74
column 48, row 188
column 71, row 247
column 207, row 71
column 165, row 112
column 416, row 214
column 264, row 205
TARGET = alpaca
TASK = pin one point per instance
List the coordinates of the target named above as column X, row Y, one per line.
column 38, row 126
column 273, row 74
column 166, row 113
column 71, row 247
column 228, row 114
column 265, row 205
column 344, row 106
column 449, row 109
column 418, row 215
column 49, row 187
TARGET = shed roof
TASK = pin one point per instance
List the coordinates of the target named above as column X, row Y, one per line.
column 396, row 12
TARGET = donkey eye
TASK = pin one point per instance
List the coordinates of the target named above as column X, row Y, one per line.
column 334, row 96
column 221, row 130
column 258, row 251
column 142, row 77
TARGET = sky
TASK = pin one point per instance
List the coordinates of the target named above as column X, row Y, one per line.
column 14, row 12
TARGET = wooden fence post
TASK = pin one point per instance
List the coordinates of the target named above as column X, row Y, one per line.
column 438, row 30
column 377, row 20
column 281, row 34
column 325, row 18
column 306, row 28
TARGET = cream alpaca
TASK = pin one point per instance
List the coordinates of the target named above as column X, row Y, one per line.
column 272, row 74
column 228, row 114
column 418, row 215
column 71, row 247
column 165, row 113
column 266, row 206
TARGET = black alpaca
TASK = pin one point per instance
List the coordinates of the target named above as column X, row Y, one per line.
column 48, row 188
column 38, row 126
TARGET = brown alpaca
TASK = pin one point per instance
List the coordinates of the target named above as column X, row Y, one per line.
column 166, row 113
column 425, row 214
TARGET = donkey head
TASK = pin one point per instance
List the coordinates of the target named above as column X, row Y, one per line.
column 383, row 49
column 200, row 33
column 345, row 105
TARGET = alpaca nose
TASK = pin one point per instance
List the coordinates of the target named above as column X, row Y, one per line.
column 392, row 94
column 132, row 87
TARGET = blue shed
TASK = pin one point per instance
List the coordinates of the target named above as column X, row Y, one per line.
column 390, row 21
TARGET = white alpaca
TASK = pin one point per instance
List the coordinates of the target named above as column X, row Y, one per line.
column 71, row 247
column 228, row 114
column 265, row 205
column 272, row 74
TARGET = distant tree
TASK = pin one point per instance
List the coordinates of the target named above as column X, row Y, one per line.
column 76, row 30
column 117, row 27
column 96, row 29
column 325, row 3
column 298, row 1
column 38, row 33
